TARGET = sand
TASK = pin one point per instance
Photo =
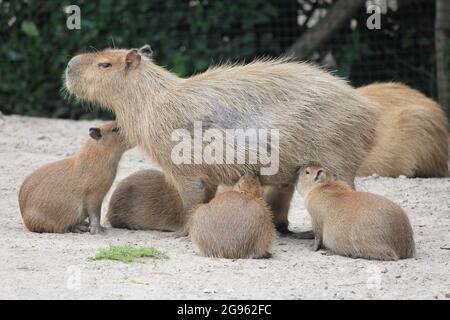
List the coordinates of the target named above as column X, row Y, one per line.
column 57, row 266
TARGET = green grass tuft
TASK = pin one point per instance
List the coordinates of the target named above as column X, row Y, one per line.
column 127, row 253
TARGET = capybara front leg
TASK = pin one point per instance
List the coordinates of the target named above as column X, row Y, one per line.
column 94, row 211
column 279, row 200
column 317, row 242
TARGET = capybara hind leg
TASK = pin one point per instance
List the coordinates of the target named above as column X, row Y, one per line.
column 279, row 200
column 81, row 226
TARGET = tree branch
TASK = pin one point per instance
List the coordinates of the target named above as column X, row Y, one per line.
column 442, row 38
column 339, row 13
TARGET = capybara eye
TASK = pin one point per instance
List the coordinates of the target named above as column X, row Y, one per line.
column 104, row 65
column 115, row 129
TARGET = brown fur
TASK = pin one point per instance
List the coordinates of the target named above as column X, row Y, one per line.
column 412, row 134
column 145, row 201
column 319, row 117
column 59, row 196
column 235, row 224
column 354, row 224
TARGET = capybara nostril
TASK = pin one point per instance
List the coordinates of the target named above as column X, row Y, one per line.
column 95, row 133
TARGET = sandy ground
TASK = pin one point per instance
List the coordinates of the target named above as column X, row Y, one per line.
column 56, row 266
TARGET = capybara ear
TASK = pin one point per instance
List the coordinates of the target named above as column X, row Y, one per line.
column 132, row 58
column 320, row 176
column 252, row 174
column 301, row 168
column 146, row 51
column 95, row 133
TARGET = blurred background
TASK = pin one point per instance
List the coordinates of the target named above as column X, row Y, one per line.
column 412, row 46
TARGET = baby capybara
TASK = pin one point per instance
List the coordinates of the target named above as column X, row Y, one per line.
column 59, row 196
column 235, row 224
column 145, row 201
column 351, row 223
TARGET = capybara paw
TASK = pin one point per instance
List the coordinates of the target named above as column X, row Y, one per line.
column 79, row 228
column 96, row 230
column 266, row 255
column 181, row 233
column 84, row 223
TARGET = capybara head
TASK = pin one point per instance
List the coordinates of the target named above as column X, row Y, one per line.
column 249, row 185
column 109, row 136
column 107, row 76
column 312, row 176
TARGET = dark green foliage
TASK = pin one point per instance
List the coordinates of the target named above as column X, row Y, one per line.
column 402, row 50
column 189, row 35
column 186, row 36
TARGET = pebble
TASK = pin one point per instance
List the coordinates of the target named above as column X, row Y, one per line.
column 209, row 291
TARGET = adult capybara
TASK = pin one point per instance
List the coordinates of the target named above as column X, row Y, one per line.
column 411, row 135
column 351, row 223
column 309, row 115
column 235, row 224
column 59, row 196
column 146, row 201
